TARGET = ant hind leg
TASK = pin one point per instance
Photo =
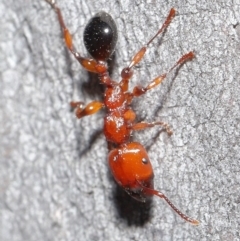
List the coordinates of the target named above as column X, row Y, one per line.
column 66, row 34
column 89, row 64
column 128, row 72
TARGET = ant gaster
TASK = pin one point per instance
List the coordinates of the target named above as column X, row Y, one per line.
column 128, row 161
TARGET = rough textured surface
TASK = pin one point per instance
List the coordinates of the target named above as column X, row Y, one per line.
column 54, row 179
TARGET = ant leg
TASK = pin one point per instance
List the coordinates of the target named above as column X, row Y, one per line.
column 90, row 109
column 67, row 36
column 89, row 64
column 137, row 91
column 128, row 72
column 143, row 125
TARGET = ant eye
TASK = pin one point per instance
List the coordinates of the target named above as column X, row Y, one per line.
column 100, row 36
column 145, row 161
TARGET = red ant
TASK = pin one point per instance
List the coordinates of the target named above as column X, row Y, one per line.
column 128, row 161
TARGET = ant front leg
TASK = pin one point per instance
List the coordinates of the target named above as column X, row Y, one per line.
column 143, row 125
column 90, row 109
column 90, row 65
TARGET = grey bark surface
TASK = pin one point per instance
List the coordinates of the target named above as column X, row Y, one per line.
column 54, row 178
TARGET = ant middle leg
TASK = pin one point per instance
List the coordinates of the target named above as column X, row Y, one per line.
column 138, row 90
column 89, row 109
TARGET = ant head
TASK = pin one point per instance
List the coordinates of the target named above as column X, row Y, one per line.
column 132, row 169
column 100, row 36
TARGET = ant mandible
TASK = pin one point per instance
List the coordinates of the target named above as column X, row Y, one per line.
column 128, row 161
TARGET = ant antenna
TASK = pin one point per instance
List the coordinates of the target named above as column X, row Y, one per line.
column 150, row 191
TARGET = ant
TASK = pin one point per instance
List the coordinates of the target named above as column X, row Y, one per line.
column 128, row 161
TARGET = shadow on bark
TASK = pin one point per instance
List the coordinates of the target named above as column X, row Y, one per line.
column 132, row 211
